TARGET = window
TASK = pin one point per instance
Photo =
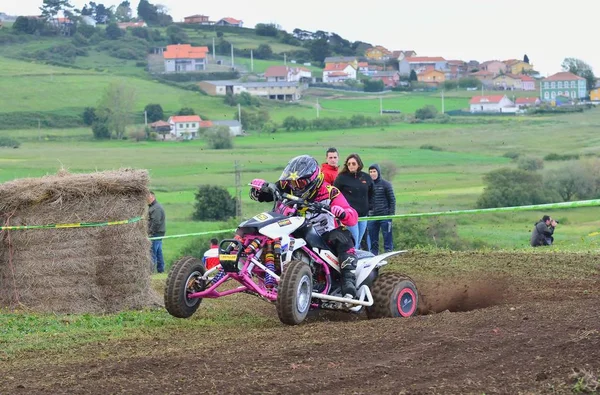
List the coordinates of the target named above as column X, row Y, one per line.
column 573, row 84
column 573, row 94
column 187, row 125
column 546, row 95
column 181, row 125
column 559, row 85
column 193, row 125
column 553, row 85
column 553, row 95
column 546, row 85
column 559, row 93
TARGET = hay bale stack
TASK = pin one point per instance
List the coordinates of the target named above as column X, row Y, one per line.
column 76, row 270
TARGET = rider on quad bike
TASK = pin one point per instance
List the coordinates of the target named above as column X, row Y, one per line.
column 302, row 177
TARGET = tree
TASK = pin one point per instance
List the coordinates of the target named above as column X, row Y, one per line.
column 89, row 116
column 113, row 31
column 27, row 25
column 578, row 180
column 154, row 112
column 512, row 187
column 51, row 8
column 388, row 170
column 177, row 35
column 186, row 111
column 530, row 163
column 580, row 68
column 213, row 203
column 219, row 137
column 319, row 49
column 102, row 14
column 413, row 76
column 147, row 12
column 123, row 12
column 526, row 59
column 427, row 112
column 263, row 51
column 116, row 106
column 373, row 86
column 266, row 29
column 162, row 14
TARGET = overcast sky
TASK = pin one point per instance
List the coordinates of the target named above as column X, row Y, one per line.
column 455, row 29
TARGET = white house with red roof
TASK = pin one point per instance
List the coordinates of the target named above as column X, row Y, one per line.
column 186, row 126
column 288, row 74
column 228, row 21
column 527, row 83
column 563, row 84
column 182, row 58
column 527, row 101
column 420, row 63
column 493, row 103
column 338, row 72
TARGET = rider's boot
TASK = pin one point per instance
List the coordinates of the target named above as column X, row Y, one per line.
column 348, row 278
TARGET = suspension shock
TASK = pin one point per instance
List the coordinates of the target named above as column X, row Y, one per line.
column 270, row 264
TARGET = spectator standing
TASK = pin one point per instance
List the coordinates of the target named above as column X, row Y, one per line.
column 156, row 228
column 383, row 203
column 357, row 188
column 330, row 167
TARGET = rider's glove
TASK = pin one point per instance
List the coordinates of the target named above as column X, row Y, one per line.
column 338, row 211
column 258, row 183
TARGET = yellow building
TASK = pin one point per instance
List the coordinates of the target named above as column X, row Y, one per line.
column 517, row 67
column 377, row 53
column 431, row 77
column 595, row 94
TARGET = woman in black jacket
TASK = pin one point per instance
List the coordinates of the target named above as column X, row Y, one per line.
column 357, row 188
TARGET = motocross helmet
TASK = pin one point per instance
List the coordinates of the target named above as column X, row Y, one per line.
column 303, row 175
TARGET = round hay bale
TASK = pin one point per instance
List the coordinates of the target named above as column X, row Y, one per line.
column 76, row 270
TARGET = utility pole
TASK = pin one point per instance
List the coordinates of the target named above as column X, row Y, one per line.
column 146, row 118
column 238, row 190
column 39, row 130
column 284, row 59
column 251, row 60
column 232, row 56
column 213, row 48
column 239, row 112
column 317, row 107
column 443, row 102
column 380, row 106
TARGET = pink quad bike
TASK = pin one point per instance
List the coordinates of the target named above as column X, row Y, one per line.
column 283, row 260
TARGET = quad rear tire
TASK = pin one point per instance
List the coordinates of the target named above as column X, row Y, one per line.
column 294, row 293
column 394, row 295
column 182, row 280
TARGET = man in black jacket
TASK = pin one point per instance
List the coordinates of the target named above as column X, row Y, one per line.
column 543, row 231
column 156, row 228
column 383, row 203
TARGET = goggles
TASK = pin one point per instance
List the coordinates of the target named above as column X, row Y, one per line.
column 297, row 184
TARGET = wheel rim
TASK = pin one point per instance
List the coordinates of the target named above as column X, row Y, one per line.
column 191, row 286
column 303, row 294
column 406, row 302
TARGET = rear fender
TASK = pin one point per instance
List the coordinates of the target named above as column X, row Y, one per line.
column 364, row 267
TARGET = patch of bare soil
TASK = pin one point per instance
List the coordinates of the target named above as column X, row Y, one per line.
column 496, row 334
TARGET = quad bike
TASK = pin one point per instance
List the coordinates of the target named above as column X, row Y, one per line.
column 282, row 259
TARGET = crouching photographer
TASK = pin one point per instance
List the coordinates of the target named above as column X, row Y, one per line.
column 542, row 234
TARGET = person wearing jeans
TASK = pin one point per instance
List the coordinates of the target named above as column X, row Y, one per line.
column 156, row 228
column 357, row 188
column 383, row 203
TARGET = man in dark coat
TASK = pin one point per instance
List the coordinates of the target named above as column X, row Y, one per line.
column 156, row 228
column 543, row 231
column 382, row 203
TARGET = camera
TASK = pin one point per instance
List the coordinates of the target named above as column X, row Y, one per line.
column 556, row 221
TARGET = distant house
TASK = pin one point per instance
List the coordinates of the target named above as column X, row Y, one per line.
column 401, row 54
column 527, row 101
column 289, row 74
column 282, row 90
column 493, row 66
column 363, row 68
column 377, row 53
column 186, row 126
column 472, row 65
column 496, row 103
column 431, row 77
column 456, row 69
column 351, row 60
column 508, row 82
column 595, row 94
column 125, row 25
column 338, row 72
column 182, row 58
column 563, row 84
column 515, row 66
column 389, row 78
column 197, row 19
column 421, row 63
column 230, row 22
column 527, row 83
column 235, row 127
column 486, row 77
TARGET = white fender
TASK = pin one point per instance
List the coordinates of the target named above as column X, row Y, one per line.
column 364, row 267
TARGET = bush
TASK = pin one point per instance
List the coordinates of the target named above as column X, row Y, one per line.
column 100, row 129
column 431, row 147
column 79, row 40
column 427, row 112
column 512, row 187
column 266, row 29
column 154, row 112
column 86, row 31
column 9, row 142
column 512, row 155
column 89, row 116
column 186, row 111
column 219, row 138
column 213, row 203
column 388, row 170
column 137, row 135
column 373, row 86
column 553, row 156
column 530, row 163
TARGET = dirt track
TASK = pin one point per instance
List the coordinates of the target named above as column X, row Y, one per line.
column 508, row 334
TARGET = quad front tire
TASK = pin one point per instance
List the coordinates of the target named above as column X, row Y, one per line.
column 394, row 295
column 183, row 280
column 294, row 293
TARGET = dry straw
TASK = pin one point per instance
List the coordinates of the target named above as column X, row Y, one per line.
column 97, row 270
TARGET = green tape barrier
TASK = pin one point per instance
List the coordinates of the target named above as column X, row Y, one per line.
column 73, row 225
column 192, row 234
